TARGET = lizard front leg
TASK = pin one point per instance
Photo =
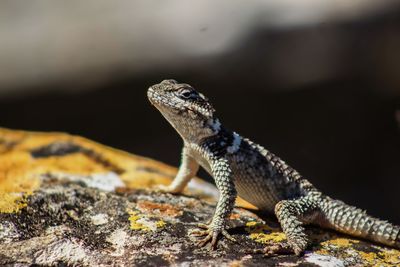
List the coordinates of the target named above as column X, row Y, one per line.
column 187, row 170
column 222, row 174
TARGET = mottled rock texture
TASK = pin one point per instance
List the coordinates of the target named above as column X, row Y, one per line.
column 65, row 200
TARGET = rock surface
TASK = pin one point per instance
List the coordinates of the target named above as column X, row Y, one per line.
column 65, row 200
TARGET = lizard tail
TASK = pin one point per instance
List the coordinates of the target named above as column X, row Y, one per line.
column 354, row 221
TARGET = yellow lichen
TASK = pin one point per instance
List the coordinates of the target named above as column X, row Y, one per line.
column 369, row 257
column 323, row 252
column 391, row 256
column 344, row 249
column 13, row 202
column 144, row 222
column 20, row 173
column 252, row 224
column 161, row 224
column 266, row 238
column 263, row 233
column 382, row 259
column 135, row 225
column 385, row 258
column 18, row 179
column 340, row 242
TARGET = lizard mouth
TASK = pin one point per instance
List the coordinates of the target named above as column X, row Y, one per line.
column 160, row 103
column 152, row 96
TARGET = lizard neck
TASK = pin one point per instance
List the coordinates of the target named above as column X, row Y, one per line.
column 194, row 131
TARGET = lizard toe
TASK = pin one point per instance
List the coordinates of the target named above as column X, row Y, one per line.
column 205, row 240
column 203, row 226
column 211, row 236
column 199, row 233
column 214, row 240
column 228, row 236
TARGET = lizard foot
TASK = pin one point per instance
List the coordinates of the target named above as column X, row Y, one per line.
column 210, row 236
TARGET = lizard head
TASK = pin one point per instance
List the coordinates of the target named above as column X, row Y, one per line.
column 189, row 111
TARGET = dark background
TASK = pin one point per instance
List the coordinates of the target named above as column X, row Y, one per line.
column 322, row 92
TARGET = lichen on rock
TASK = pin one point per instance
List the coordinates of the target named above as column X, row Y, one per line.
column 65, row 200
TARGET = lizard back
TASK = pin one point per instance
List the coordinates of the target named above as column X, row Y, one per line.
column 260, row 177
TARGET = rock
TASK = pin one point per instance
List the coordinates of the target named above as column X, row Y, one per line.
column 65, row 200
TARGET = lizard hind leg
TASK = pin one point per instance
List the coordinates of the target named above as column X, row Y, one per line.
column 292, row 215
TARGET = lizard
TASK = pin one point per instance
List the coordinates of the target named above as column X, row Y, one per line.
column 243, row 168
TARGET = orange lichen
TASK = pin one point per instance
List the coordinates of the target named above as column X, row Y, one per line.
column 234, row 216
column 158, row 208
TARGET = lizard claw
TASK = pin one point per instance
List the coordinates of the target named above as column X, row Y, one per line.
column 202, row 226
column 228, row 236
column 214, row 240
column 205, row 240
column 211, row 236
column 199, row 233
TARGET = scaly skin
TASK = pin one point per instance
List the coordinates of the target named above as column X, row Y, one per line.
column 241, row 167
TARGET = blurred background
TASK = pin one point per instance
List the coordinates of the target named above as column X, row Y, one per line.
column 316, row 82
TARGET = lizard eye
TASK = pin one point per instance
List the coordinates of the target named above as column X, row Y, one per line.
column 187, row 93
